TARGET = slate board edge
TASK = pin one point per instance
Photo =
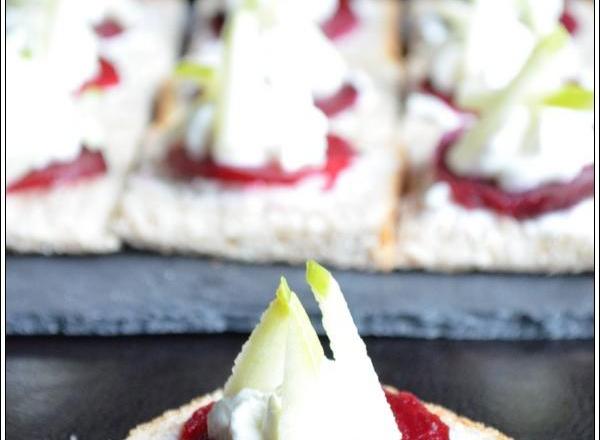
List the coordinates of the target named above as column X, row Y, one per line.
column 512, row 328
column 125, row 294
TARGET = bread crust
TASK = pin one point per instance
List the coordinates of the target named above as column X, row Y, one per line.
column 459, row 423
column 62, row 220
column 434, row 233
column 169, row 424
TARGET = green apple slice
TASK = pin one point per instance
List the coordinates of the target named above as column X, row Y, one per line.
column 260, row 364
column 239, row 77
column 464, row 156
column 349, row 350
column 299, row 391
column 571, row 96
column 203, row 74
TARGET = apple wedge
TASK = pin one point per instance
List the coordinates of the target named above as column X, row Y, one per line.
column 300, row 387
column 350, row 356
column 260, row 364
column 283, row 356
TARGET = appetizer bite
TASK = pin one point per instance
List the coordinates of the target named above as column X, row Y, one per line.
column 499, row 131
column 282, row 385
column 461, row 52
column 77, row 110
column 244, row 162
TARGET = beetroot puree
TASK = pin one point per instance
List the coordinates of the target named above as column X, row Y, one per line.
column 108, row 28
column 88, row 164
column 343, row 22
column 476, row 192
column 196, row 427
column 428, row 88
column 568, row 19
column 413, row 418
column 342, row 100
column 107, row 77
column 339, row 157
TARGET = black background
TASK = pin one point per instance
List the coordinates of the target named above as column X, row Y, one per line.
column 99, row 388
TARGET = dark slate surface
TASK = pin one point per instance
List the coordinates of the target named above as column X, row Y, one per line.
column 136, row 293
column 99, row 388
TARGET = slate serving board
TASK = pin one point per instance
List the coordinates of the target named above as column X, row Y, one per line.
column 139, row 293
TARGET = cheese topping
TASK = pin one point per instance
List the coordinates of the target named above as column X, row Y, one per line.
column 246, row 416
column 272, row 65
column 255, row 415
column 290, row 33
column 534, row 148
column 520, row 142
column 54, row 38
column 51, row 52
column 520, row 137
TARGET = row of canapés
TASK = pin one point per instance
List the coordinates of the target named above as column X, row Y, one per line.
column 279, row 136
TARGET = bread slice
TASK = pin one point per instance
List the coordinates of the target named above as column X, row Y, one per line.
column 350, row 225
column 435, row 233
column 75, row 218
column 69, row 219
column 168, row 425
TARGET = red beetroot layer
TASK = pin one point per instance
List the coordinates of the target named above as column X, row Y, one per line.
column 339, row 156
column 217, row 22
column 568, row 19
column 196, row 427
column 108, row 28
column 428, row 88
column 476, row 192
column 341, row 23
column 414, row 420
column 344, row 99
column 107, row 77
column 88, row 164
